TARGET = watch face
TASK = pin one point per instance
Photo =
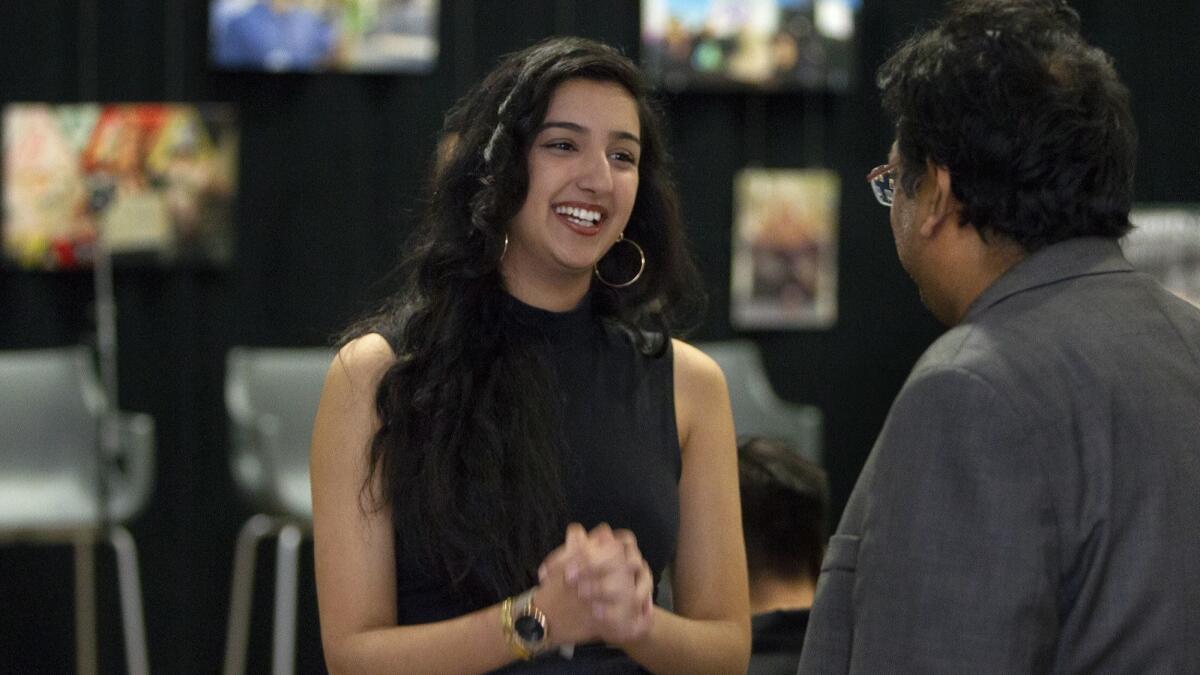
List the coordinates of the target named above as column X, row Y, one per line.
column 529, row 629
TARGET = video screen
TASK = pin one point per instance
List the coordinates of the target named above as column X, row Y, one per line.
column 324, row 35
column 730, row 45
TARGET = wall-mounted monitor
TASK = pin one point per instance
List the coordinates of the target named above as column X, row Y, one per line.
column 324, row 35
column 732, row 45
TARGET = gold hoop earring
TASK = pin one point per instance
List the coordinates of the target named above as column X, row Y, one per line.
column 641, row 264
column 505, row 249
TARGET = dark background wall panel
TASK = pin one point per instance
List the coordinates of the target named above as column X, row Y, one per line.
column 330, row 179
column 39, row 60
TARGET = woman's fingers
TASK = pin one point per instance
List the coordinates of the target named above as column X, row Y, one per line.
column 626, row 537
column 567, row 558
column 601, row 533
column 610, row 576
column 643, row 586
column 606, row 569
column 633, row 620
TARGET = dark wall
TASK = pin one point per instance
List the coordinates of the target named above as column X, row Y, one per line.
column 330, row 177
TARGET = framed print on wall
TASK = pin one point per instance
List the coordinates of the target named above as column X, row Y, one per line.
column 784, row 272
column 157, row 180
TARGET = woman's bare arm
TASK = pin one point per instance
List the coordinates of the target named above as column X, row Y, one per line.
column 355, row 562
column 710, row 628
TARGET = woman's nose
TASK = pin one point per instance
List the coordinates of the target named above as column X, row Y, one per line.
column 596, row 173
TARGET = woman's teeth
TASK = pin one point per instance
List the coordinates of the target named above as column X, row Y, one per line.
column 585, row 217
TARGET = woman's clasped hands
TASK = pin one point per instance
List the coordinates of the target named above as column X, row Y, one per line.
column 596, row 587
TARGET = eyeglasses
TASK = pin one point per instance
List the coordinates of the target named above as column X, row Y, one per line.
column 883, row 183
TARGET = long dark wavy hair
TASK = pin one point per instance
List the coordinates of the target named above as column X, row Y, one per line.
column 1032, row 122
column 469, row 443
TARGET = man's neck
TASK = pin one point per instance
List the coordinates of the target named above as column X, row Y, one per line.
column 999, row 257
column 773, row 593
column 973, row 265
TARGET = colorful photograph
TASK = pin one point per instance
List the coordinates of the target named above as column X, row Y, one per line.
column 750, row 44
column 324, row 35
column 153, row 180
column 1165, row 243
column 785, row 249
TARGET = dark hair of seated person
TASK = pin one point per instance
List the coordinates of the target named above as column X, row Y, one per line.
column 785, row 502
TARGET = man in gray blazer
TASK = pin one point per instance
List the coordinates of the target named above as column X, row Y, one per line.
column 1032, row 503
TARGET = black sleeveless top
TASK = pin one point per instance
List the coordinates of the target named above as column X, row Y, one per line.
column 621, row 461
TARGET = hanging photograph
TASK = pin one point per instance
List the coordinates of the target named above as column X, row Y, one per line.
column 156, row 181
column 1165, row 243
column 784, row 249
column 324, row 35
column 773, row 45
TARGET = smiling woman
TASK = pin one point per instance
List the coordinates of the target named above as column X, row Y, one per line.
column 583, row 180
column 511, row 454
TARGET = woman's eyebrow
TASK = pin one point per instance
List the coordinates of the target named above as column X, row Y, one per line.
column 627, row 136
column 580, row 129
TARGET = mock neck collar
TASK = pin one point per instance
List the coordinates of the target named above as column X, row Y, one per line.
column 549, row 321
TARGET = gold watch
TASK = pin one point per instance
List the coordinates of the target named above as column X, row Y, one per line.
column 525, row 627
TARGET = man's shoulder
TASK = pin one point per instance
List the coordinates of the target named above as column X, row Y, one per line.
column 984, row 350
column 1090, row 336
column 1006, row 356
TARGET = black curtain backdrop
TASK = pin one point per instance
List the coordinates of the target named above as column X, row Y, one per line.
column 331, row 172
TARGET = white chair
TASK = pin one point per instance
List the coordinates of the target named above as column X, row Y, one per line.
column 757, row 409
column 271, row 397
column 54, row 475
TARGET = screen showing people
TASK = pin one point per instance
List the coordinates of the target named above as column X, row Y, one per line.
column 752, row 44
column 321, row 35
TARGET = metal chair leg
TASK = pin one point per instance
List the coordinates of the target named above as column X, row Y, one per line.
column 237, row 637
column 132, row 616
column 287, row 575
column 85, row 604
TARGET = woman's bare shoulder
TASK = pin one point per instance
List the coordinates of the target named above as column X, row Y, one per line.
column 701, row 397
column 363, row 360
column 353, row 379
column 694, row 368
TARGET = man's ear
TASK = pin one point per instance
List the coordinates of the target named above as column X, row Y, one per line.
column 943, row 207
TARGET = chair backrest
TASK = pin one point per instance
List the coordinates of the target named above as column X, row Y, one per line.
column 271, row 395
column 49, row 413
column 51, row 407
column 757, row 409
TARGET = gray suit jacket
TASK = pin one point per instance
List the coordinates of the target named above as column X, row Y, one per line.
column 1032, row 503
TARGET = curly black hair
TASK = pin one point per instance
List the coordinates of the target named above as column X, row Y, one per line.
column 1032, row 123
column 468, row 447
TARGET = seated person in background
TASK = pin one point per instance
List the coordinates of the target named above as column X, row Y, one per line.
column 785, row 504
